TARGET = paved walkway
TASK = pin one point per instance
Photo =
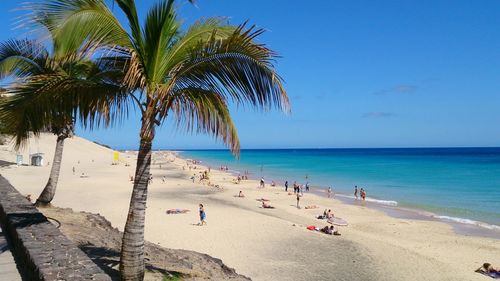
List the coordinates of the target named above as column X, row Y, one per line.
column 8, row 269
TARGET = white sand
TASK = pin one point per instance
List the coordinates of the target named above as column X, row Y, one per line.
column 261, row 243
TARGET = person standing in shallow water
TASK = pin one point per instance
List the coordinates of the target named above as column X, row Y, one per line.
column 203, row 215
column 363, row 194
column 356, row 192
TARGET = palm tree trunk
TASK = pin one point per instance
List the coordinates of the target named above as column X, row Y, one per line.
column 132, row 254
column 50, row 188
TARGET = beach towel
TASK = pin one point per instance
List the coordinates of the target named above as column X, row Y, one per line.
column 176, row 211
column 311, row 227
column 494, row 275
column 337, row 221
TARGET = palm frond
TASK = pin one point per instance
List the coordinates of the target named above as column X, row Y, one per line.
column 128, row 7
column 43, row 101
column 22, row 58
column 201, row 31
column 237, row 68
column 204, row 111
column 160, row 30
column 73, row 22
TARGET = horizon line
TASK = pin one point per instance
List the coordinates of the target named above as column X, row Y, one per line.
column 314, row 148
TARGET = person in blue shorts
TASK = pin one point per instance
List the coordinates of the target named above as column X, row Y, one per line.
column 203, row 215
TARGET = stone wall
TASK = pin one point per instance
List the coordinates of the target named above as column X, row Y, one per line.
column 41, row 251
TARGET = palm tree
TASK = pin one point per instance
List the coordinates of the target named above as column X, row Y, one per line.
column 189, row 75
column 45, row 92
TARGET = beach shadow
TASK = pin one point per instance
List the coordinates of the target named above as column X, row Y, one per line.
column 6, row 163
column 105, row 258
column 108, row 259
column 22, row 220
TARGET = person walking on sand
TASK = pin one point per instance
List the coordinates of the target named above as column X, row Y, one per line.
column 298, row 200
column 307, row 186
column 329, row 192
column 203, row 215
column 262, row 183
column 356, row 192
column 286, row 186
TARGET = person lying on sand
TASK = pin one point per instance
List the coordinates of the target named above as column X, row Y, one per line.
column 266, row 205
column 311, row 207
column 330, row 230
column 322, row 217
column 241, row 194
column 176, row 211
column 488, row 268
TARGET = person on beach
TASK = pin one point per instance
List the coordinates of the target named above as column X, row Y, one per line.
column 265, row 205
column 298, row 200
column 488, row 268
column 286, row 186
column 329, row 214
column 356, row 192
column 262, row 183
column 307, row 186
column 363, row 194
column 273, row 183
column 203, row 215
column 241, row 194
column 330, row 230
column 329, row 192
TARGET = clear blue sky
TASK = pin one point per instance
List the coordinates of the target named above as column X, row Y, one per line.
column 358, row 73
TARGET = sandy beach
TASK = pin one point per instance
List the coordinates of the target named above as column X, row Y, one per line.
column 263, row 244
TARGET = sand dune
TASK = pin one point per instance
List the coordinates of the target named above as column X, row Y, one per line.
column 264, row 244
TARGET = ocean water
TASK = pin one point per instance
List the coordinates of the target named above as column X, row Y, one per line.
column 455, row 184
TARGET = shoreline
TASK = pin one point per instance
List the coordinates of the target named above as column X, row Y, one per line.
column 461, row 226
column 264, row 244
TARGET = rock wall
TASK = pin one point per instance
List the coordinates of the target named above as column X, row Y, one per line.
column 41, row 251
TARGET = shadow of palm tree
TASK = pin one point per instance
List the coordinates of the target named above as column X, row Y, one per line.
column 6, row 163
column 105, row 258
column 108, row 260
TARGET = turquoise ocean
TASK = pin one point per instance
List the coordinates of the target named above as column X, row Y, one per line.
column 453, row 184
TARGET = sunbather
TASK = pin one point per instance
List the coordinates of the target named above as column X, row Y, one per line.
column 311, row 207
column 490, row 269
column 329, row 214
column 241, row 194
column 177, row 211
column 266, row 206
column 330, row 230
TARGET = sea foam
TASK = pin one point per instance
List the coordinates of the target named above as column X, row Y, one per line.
column 467, row 221
column 373, row 200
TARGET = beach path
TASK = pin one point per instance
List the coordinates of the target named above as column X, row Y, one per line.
column 8, row 267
